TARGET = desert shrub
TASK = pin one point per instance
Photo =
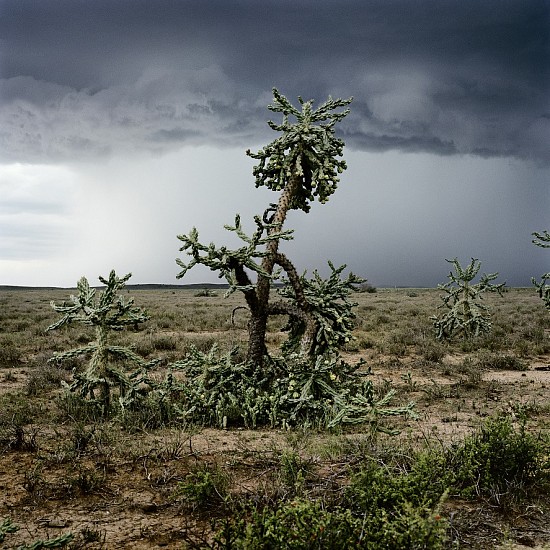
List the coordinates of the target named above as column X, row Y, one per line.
column 434, row 352
column 17, row 408
column 497, row 361
column 471, row 371
column 367, row 287
column 387, row 487
column 309, row 384
column 144, row 347
column 164, row 343
column 74, row 407
column 200, row 342
column 45, row 377
column 85, row 481
column 205, row 293
column 14, row 436
column 150, row 412
column 207, row 485
column 299, row 524
column 499, row 461
column 294, row 472
column 10, row 355
column 306, row 524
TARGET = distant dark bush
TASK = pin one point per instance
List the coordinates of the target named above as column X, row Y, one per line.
column 9, row 354
column 367, row 287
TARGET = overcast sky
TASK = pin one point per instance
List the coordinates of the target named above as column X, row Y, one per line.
column 124, row 123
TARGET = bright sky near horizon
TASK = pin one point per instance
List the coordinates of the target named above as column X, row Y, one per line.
column 123, row 124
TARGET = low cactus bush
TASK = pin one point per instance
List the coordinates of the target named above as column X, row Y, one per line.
column 107, row 312
column 217, row 391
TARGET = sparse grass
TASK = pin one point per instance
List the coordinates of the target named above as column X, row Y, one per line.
column 483, row 418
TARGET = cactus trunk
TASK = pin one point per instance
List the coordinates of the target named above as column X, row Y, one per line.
column 257, row 325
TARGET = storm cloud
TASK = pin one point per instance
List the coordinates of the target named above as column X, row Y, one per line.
column 112, row 112
column 445, row 77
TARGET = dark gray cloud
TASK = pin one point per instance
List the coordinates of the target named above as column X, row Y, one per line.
column 85, row 79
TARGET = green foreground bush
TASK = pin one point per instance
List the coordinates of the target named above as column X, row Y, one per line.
column 398, row 503
column 500, row 462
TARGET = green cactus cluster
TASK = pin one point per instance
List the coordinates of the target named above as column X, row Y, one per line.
column 307, row 146
column 217, row 391
column 329, row 303
column 231, row 264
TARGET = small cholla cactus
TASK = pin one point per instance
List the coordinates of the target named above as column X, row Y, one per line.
column 466, row 314
column 543, row 240
column 106, row 311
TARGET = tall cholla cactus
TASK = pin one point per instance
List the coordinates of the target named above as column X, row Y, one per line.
column 301, row 164
column 543, row 240
column 106, row 311
column 466, row 314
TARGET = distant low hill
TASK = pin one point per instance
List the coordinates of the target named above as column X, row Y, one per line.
column 153, row 286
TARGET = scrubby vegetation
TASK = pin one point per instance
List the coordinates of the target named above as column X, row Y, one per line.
column 471, row 470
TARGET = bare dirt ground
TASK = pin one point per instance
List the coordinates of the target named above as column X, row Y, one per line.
column 136, row 507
